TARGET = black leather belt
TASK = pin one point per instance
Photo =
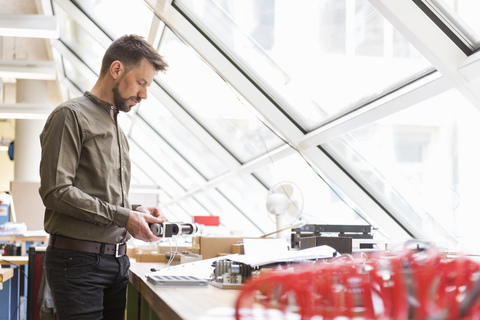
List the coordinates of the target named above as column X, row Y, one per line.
column 118, row 250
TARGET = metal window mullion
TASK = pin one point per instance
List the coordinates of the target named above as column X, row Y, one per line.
column 69, row 85
column 177, row 157
column 83, row 20
column 431, row 41
column 223, row 66
column 192, row 125
column 78, row 63
column 243, row 171
column 404, row 98
column 376, row 215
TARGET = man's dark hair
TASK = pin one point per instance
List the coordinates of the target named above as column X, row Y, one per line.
column 130, row 50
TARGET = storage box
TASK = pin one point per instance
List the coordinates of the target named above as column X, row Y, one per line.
column 164, row 248
column 238, row 248
column 211, row 246
column 150, row 257
column 131, row 252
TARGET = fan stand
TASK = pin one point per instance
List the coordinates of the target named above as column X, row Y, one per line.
column 280, row 203
column 283, row 232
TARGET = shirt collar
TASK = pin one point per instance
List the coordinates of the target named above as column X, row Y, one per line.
column 102, row 104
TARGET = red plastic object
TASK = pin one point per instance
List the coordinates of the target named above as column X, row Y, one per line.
column 409, row 284
column 207, row 220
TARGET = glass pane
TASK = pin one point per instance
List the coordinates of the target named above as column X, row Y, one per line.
column 233, row 220
column 118, row 17
column 183, row 212
column 213, row 103
column 181, row 138
column 140, row 175
column 175, row 212
column 308, row 55
column 155, row 172
column 76, row 76
column 321, row 205
column 157, row 149
column 423, row 163
column 194, row 208
column 250, row 202
column 79, row 41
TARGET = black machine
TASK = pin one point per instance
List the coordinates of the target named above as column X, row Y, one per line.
column 332, row 230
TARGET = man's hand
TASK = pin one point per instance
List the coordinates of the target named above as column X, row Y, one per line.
column 139, row 219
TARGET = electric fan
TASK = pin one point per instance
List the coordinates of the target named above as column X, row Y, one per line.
column 285, row 203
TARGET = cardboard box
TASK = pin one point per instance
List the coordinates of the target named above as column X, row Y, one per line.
column 211, row 246
column 150, row 257
column 140, row 251
column 144, row 249
column 223, row 254
column 238, row 248
column 165, row 248
column 131, row 252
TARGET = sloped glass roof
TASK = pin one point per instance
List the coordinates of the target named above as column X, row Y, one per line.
column 419, row 161
column 79, row 40
column 160, row 123
column 213, row 103
column 364, row 105
column 118, row 17
column 308, row 56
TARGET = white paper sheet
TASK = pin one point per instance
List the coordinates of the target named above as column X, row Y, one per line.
column 260, row 246
column 264, row 258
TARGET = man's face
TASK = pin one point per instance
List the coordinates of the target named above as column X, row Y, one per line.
column 131, row 87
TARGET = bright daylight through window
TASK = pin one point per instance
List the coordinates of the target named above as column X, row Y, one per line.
column 320, row 62
column 331, row 48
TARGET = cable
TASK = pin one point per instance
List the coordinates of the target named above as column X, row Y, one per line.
column 172, row 253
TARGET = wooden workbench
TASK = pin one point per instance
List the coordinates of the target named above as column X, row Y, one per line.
column 175, row 303
column 14, row 260
column 5, row 274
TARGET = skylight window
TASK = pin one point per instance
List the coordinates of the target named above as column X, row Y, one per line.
column 319, row 60
column 421, row 163
column 118, row 17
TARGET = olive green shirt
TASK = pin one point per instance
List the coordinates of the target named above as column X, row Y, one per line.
column 85, row 172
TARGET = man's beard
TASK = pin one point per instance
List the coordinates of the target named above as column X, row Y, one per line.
column 120, row 102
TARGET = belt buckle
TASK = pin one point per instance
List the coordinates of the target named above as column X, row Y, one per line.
column 117, row 249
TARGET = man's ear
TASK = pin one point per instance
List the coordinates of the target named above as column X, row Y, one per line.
column 116, row 69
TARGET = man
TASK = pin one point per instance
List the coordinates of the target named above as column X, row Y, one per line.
column 85, row 176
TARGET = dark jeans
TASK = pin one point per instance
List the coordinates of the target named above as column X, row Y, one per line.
column 87, row 285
